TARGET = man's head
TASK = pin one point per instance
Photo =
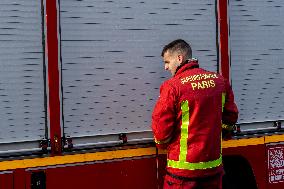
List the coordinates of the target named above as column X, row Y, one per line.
column 176, row 53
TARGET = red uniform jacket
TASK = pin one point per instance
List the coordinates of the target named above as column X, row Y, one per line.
column 187, row 120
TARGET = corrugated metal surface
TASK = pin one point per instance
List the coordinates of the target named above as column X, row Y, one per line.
column 257, row 53
column 22, row 112
column 111, row 61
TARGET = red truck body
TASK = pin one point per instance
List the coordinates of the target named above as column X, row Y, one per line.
column 94, row 129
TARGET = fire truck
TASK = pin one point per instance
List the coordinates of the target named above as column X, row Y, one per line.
column 79, row 79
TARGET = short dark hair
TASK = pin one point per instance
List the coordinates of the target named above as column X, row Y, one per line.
column 180, row 46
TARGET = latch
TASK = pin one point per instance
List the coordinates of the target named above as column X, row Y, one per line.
column 237, row 129
column 38, row 180
column 67, row 143
column 44, row 144
column 123, row 138
column 277, row 124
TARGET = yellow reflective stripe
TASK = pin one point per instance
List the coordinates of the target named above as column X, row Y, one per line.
column 195, row 166
column 162, row 141
column 223, row 100
column 182, row 163
column 184, row 130
column 223, row 104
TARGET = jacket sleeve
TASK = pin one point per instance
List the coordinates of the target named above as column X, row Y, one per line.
column 230, row 111
column 164, row 116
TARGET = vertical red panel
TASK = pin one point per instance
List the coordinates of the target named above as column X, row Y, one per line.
column 19, row 179
column 224, row 38
column 53, row 76
column 28, row 180
column 6, row 181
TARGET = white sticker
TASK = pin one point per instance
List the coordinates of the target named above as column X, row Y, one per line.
column 276, row 164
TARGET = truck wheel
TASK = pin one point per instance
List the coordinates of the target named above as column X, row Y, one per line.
column 238, row 173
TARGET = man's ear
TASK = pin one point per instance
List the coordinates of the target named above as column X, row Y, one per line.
column 180, row 58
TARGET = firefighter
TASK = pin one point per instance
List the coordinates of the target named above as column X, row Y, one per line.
column 187, row 120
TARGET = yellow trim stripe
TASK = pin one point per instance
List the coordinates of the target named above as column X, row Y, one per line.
column 118, row 154
column 242, row 142
column 77, row 158
column 274, row 138
column 253, row 141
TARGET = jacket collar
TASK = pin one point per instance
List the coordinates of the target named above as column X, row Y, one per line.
column 189, row 64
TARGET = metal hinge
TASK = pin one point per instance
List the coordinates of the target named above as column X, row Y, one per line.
column 67, row 144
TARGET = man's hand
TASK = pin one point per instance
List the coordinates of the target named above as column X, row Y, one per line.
column 227, row 131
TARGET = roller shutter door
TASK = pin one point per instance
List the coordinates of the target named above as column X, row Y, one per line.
column 257, row 53
column 111, row 64
column 22, row 110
